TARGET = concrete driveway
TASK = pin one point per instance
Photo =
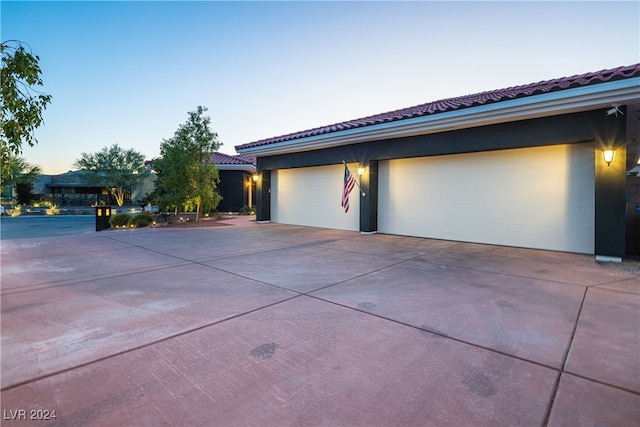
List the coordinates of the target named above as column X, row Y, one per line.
column 276, row 325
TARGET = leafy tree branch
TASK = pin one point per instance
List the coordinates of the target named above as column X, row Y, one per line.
column 22, row 103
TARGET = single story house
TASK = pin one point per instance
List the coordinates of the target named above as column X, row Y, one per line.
column 73, row 189
column 70, row 188
column 523, row 166
column 236, row 185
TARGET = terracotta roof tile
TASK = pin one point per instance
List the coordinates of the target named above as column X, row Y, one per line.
column 461, row 102
column 226, row 159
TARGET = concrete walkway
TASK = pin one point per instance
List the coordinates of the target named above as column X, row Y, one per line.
column 276, row 325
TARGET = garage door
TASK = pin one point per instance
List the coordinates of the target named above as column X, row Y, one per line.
column 313, row 196
column 539, row 197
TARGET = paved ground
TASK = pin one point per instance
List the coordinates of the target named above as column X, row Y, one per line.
column 277, row 325
column 37, row 226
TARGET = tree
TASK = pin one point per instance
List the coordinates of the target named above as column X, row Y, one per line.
column 11, row 167
column 28, row 174
column 22, row 174
column 116, row 169
column 22, row 103
column 186, row 176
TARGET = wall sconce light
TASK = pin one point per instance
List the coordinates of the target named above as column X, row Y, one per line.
column 360, row 170
column 608, row 155
column 255, row 177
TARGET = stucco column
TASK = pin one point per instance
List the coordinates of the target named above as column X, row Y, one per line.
column 263, row 196
column 610, row 193
column 369, row 203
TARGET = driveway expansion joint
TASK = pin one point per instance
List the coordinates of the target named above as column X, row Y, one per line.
column 146, row 345
column 564, row 359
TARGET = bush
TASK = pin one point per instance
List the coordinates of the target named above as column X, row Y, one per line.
column 143, row 219
column 120, row 220
column 52, row 210
column 137, row 222
column 146, row 215
column 248, row 210
column 16, row 211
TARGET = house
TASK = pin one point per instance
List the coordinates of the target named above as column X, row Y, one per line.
column 236, row 184
column 74, row 189
column 522, row 166
column 71, row 188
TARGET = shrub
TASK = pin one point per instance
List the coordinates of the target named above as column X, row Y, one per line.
column 43, row 204
column 248, row 210
column 143, row 219
column 52, row 210
column 147, row 215
column 120, row 220
column 16, row 211
column 137, row 222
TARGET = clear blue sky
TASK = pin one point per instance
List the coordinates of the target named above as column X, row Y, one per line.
column 128, row 72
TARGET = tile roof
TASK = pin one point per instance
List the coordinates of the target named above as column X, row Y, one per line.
column 226, row 159
column 461, row 102
column 72, row 178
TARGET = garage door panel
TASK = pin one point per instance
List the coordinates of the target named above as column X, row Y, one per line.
column 312, row 197
column 539, row 197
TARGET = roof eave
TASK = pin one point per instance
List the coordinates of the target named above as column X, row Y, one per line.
column 602, row 95
column 238, row 167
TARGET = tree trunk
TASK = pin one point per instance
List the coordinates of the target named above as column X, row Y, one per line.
column 118, row 194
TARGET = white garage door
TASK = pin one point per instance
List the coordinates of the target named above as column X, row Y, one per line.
column 313, row 196
column 539, row 197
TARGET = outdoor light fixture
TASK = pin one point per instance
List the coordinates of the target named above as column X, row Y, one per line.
column 614, row 110
column 608, row 155
column 360, row 170
column 255, row 177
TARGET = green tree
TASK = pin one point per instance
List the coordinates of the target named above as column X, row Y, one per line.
column 28, row 174
column 21, row 103
column 11, row 167
column 116, row 169
column 186, row 176
column 22, row 174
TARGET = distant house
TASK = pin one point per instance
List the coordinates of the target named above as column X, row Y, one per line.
column 236, row 181
column 523, row 166
column 71, row 188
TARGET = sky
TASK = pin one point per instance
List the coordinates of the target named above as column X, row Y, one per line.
column 127, row 73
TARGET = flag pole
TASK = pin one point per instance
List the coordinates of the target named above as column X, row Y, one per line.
column 356, row 181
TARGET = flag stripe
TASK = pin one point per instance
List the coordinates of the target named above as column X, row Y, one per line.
column 349, row 183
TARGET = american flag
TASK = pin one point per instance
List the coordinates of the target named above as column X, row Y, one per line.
column 349, row 182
